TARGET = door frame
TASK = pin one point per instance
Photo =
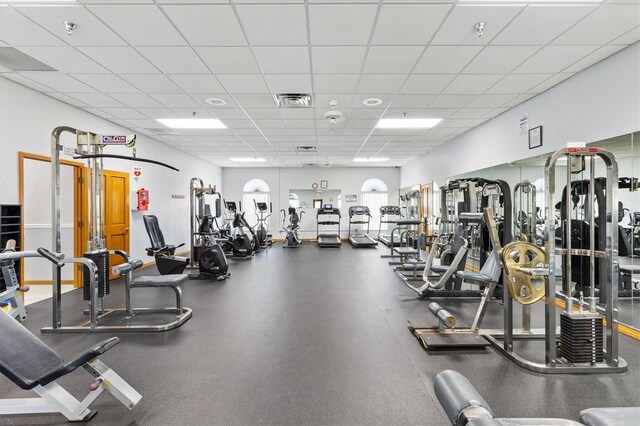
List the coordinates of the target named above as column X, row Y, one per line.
column 79, row 208
column 127, row 209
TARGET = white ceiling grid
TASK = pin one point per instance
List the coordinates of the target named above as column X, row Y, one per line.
column 133, row 61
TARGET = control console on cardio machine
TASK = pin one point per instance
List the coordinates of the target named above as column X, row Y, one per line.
column 328, row 240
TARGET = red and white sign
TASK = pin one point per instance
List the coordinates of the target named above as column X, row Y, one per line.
column 137, row 172
column 114, row 140
column 582, row 149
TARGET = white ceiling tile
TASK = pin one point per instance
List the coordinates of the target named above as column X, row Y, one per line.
column 268, row 25
column 490, row 101
column 270, row 124
column 336, row 60
column 412, row 101
column 526, row 29
column 547, row 84
column 17, row 30
column 300, row 124
column 106, row 83
column 474, row 84
column 392, row 59
column 64, row 59
column 437, row 112
column 202, row 99
column 154, row 30
column 341, row 24
column 152, row 83
column 243, row 83
column 176, row 100
column 174, row 60
column 263, row 113
column 207, row 25
column 365, row 113
column 553, row 59
column 187, row 112
column 451, row 101
column 593, row 58
column 517, row 83
column 124, row 113
column 135, row 100
column 629, row 38
column 446, row 59
column 145, row 123
column 400, row 113
column 254, row 100
column 224, row 113
column 381, row 83
column 335, row 83
column 499, row 59
column 67, row 99
column 58, row 81
column 427, row 84
column 289, row 83
column 197, row 83
column 458, row 28
column 20, row 79
column 606, row 24
column 360, row 124
column 97, row 100
column 408, row 24
column 120, row 59
column 471, row 112
column 454, row 122
column 98, row 112
column 496, row 112
column 285, row 60
column 358, row 98
column 301, row 132
column 228, row 60
column 89, row 31
column 519, row 99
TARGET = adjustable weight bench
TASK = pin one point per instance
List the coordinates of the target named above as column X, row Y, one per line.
column 463, row 405
column 31, row 364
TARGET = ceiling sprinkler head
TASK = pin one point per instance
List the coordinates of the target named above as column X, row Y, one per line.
column 480, row 27
column 70, row 26
column 333, row 104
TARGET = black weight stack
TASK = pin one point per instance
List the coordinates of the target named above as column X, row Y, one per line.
column 101, row 259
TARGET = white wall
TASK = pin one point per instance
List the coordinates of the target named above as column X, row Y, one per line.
column 26, row 121
column 280, row 180
column 597, row 103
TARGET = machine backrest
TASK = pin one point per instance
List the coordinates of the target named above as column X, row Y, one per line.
column 458, row 240
column 492, row 267
column 23, row 357
column 153, row 230
column 293, row 216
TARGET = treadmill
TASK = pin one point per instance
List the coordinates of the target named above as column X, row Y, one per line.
column 360, row 215
column 328, row 240
column 385, row 212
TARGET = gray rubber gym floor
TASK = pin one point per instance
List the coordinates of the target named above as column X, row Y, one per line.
column 309, row 336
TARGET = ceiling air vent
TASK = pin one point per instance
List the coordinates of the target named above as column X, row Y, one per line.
column 306, row 148
column 17, row 61
column 293, row 100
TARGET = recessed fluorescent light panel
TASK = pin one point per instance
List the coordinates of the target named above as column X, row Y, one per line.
column 248, row 159
column 370, row 159
column 407, row 123
column 192, row 123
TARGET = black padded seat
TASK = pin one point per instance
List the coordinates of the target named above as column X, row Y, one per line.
column 630, row 269
column 405, row 250
column 407, row 222
column 612, row 416
column 478, row 277
column 441, row 269
column 173, row 280
column 29, row 362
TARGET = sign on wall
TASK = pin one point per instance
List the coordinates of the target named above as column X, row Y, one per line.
column 351, row 198
column 524, row 124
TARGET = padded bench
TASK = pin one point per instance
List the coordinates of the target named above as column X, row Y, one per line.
column 168, row 281
column 613, row 416
column 405, row 253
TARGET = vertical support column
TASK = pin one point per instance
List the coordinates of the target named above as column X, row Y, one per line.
column 550, row 254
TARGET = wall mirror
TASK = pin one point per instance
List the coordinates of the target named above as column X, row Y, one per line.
column 314, row 198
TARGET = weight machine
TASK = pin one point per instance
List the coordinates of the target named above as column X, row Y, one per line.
column 89, row 146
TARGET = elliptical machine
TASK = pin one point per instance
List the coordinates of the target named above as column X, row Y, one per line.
column 241, row 244
column 206, row 254
column 262, row 230
column 291, row 240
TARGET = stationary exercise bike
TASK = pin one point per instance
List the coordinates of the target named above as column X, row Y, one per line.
column 291, row 240
column 262, row 231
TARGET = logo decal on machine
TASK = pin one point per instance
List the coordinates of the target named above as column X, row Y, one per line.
column 114, row 140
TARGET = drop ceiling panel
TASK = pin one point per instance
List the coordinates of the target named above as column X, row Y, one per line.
column 289, row 83
column 553, row 59
column 125, row 113
column 539, row 24
column 228, row 60
column 446, row 59
column 358, row 98
column 408, row 24
column 428, row 84
column 174, row 60
column 225, row 113
column 435, row 112
column 106, row 83
column 471, row 84
column 458, row 28
column 517, row 83
column 490, row 101
column 451, row 101
column 176, row 100
column 381, row 83
column 255, row 100
column 58, row 81
column 197, row 83
column 629, row 38
column 392, row 59
column 400, row 113
column 272, row 25
column 412, row 101
column 154, row 30
column 336, row 60
column 89, row 31
column 500, row 59
column 471, row 113
column 135, row 100
column 96, row 99
column 286, row 60
column 64, row 59
column 263, row 113
column 207, row 25
column 547, row 84
column 607, row 23
column 152, row 83
column 120, row 59
column 341, row 24
column 330, row 83
column 595, row 57
column 17, row 30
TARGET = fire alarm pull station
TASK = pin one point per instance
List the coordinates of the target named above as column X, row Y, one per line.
column 142, row 199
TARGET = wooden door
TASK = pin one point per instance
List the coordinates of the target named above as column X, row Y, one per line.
column 116, row 220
